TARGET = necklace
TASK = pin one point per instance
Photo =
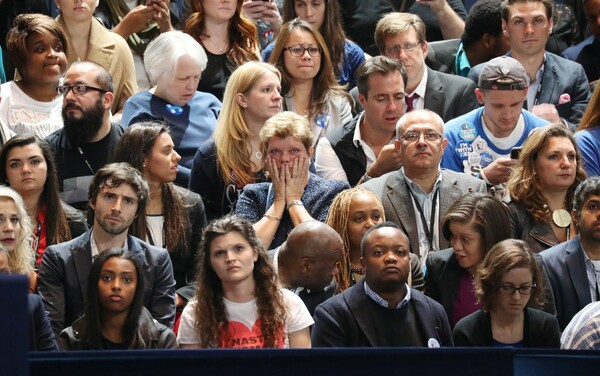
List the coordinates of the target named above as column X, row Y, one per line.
column 561, row 218
column 356, row 270
column 258, row 155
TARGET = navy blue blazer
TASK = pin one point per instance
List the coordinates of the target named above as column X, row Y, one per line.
column 565, row 266
column 41, row 337
column 64, row 275
column 343, row 320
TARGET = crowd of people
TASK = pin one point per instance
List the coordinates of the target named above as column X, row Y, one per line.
column 302, row 173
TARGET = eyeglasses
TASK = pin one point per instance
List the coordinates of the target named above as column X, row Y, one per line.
column 408, row 47
column 298, row 50
column 78, row 89
column 414, row 136
column 510, row 290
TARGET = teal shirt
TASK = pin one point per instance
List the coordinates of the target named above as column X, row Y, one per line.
column 2, row 74
column 462, row 67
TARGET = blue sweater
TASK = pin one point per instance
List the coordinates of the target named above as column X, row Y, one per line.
column 190, row 125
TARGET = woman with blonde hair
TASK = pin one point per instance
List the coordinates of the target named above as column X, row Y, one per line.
column 15, row 234
column 295, row 194
column 229, row 38
column 541, row 188
column 309, row 85
column 233, row 157
column 351, row 214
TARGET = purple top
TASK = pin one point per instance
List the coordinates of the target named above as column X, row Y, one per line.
column 465, row 301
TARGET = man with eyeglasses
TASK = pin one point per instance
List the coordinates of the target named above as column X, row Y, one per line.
column 559, row 90
column 573, row 267
column 363, row 148
column 401, row 36
column 480, row 142
column 88, row 138
column 419, row 194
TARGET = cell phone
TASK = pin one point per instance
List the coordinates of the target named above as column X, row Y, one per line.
column 515, row 152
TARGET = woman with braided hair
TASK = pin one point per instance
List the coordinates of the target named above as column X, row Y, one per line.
column 351, row 214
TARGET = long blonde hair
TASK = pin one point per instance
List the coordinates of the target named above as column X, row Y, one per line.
column 21, row 259
column 232, row 133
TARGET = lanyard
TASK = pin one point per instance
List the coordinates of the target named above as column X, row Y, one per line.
column 428, row 230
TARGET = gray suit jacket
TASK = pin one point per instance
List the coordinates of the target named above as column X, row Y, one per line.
column 397, row 202
column 64, row 275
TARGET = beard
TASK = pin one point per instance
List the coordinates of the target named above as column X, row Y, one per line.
column 81, row 130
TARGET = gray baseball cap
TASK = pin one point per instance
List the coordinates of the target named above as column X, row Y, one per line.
column 503, row 73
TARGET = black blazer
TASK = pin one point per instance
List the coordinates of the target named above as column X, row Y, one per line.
column 41, row 337
column 540, row 329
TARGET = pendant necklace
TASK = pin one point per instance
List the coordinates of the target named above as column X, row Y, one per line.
column 561, row 218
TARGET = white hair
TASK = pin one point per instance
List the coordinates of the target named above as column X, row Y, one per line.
column 163, row 53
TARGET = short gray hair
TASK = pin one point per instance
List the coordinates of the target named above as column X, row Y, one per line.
column 163, row 53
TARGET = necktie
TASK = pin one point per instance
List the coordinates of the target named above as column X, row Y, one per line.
column 409, row 102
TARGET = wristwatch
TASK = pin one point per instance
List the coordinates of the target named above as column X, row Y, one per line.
column 292, row 203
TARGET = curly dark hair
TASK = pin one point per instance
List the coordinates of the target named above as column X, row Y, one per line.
column 211, row 315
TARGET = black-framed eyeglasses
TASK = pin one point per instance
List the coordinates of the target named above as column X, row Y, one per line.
column 78, row 89
column 297, row 50
column 395, row 50
column 415, row 136
column 510, row 290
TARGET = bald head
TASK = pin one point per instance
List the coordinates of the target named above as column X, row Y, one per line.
column 309, row 256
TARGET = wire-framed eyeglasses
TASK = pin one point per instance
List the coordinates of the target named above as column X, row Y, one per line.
column 415, row 136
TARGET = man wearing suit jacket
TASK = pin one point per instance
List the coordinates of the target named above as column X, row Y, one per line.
column 573, row 267
column 559, row 89
column 117, row 194
column 401, row 36
column 418, row 195
column 381, row 310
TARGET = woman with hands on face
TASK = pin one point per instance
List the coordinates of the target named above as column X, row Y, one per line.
column 295, row 194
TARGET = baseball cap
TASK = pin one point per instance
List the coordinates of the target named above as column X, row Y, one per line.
column 503, row 73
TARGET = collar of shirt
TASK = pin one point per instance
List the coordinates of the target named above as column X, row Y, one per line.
column 462, row 66
column 533, row 86
column 94, row 245
column 593, row 274
column 417, row 191
column 382, row 302
column 359, row 143
column 419, row 102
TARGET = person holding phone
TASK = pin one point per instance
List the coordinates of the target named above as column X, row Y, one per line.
column 138, row 22
column 542, row 186
column 266, row 15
